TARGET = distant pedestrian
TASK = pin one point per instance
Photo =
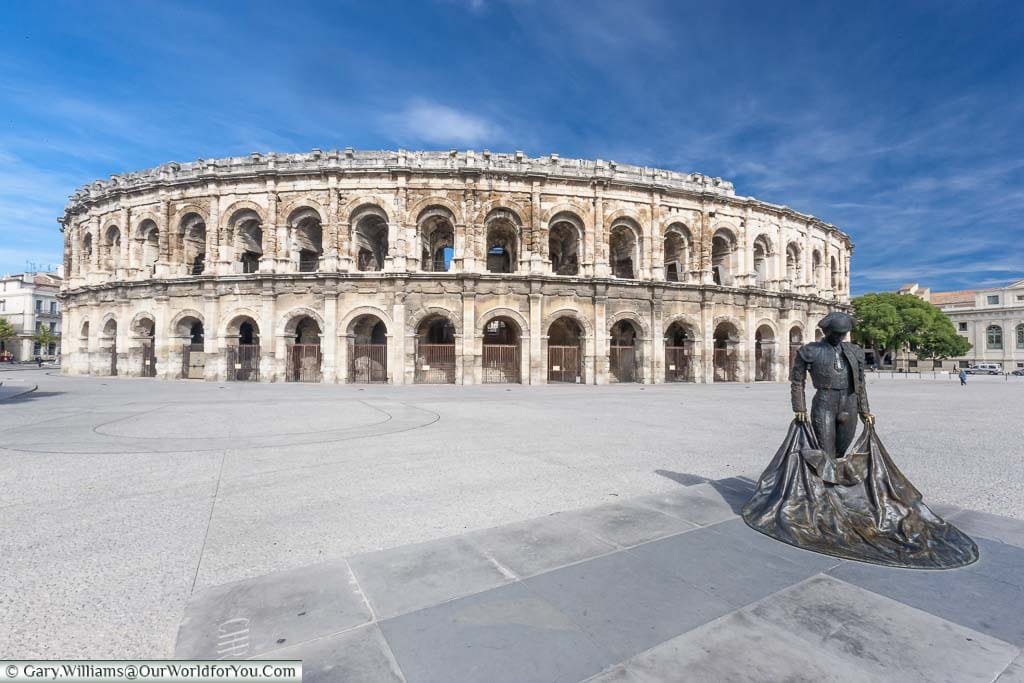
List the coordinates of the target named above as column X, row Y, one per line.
column 963, row 378
column 39, row 361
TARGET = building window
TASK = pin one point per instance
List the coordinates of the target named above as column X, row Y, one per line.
column 994, row 336
column 1020, row 336
column 35, row 349
column 1020, row 297
column 52, row 350
column 963, row 364
column 39, row 305
column 937, row 365
column 3, row 305
column 993, row 299
column 913, row 363
column 53, row 327
column 962, row 327
column 53, row 307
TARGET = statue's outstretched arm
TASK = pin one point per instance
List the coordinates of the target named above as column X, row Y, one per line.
column 797, row 378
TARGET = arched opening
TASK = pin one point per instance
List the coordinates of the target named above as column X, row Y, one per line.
column 680, row 341
column 677, row 254
column 564, row 238
column 796, row 340
column 816, row 266
column 149, row 245
column 144, row 332
column 994, row 337
column 243, row 350
column 86, row 257
column 437, row 240
column 302, row 350
column 83, row 338
column 726, row 362
column 834, row 280
column 193, row 357
column 307, row 239
column 623, row 359
column 193, row 229
column 368, row 360
column 501, row 352
column 565, row 351
column 723, row 246
column 246, row 236
column 435, row 351
column 793, row 263
column 370, row 239
column 111, row 339
column 111, row 248
column 623, row 251
column 762, row 264
column 502, row 243
column 764, row 354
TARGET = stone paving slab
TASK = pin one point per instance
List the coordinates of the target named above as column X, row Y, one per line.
column 864, row 630
column 1013, row 673
column 357, row 656
column 254, row 616
column 411, row 577
column 1004, row 529
column 735, row 572
column 509, row 634
column 625, row 604
column 700, row 505
column 534, row 546
column 737, row 648
column 625, row 524
column 982, row 596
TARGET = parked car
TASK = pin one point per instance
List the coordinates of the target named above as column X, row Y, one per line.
column 1019, row 372
column 986, row 369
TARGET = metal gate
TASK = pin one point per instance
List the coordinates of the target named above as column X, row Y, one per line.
column 763, row 364
column 622, row 362
column 148, row 361
column 564, row 364
column 243, row 363
column 303, row 363
column 726, row 365
column 113, row 359
column 501, row 364
column 678, row 363
column 435, row 364
column 193, row 361
column 369, row 363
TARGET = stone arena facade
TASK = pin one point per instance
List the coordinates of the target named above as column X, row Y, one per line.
column 439, row 267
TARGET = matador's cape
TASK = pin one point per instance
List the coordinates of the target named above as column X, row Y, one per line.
column 857, row 507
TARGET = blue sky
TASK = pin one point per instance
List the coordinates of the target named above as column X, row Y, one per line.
column 902, row 123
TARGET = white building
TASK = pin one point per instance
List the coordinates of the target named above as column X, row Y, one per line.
column 29, row 301
column 991, row 319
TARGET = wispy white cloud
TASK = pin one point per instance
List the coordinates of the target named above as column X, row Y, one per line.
column 424, row 121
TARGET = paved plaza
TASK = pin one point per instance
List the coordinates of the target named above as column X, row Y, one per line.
column 487, row 533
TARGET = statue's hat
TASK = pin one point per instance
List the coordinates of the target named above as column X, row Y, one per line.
column 838, row 321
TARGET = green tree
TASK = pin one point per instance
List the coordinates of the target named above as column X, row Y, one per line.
column 888, row 322
column 7, row 331
column 44, row 337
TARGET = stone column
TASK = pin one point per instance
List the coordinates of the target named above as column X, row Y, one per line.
column 213, row 344
column 598, row 242
column 396, row 344
column 163, row 263
column 269, row 341
column 469, row 336
column 329, row 338
column 707, row 343
column 657, row 363
column 97, row 246
column 537, row 363
column 746, row 350
column 600, row 334
column 540, row 262
column 123, row 261
column 330, row 259
column 214, row 238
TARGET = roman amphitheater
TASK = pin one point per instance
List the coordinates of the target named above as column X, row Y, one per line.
column 439, row 267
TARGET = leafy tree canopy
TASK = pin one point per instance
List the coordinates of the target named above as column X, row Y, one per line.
column 887, row 322
column 7, row 330
column 44, row 337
